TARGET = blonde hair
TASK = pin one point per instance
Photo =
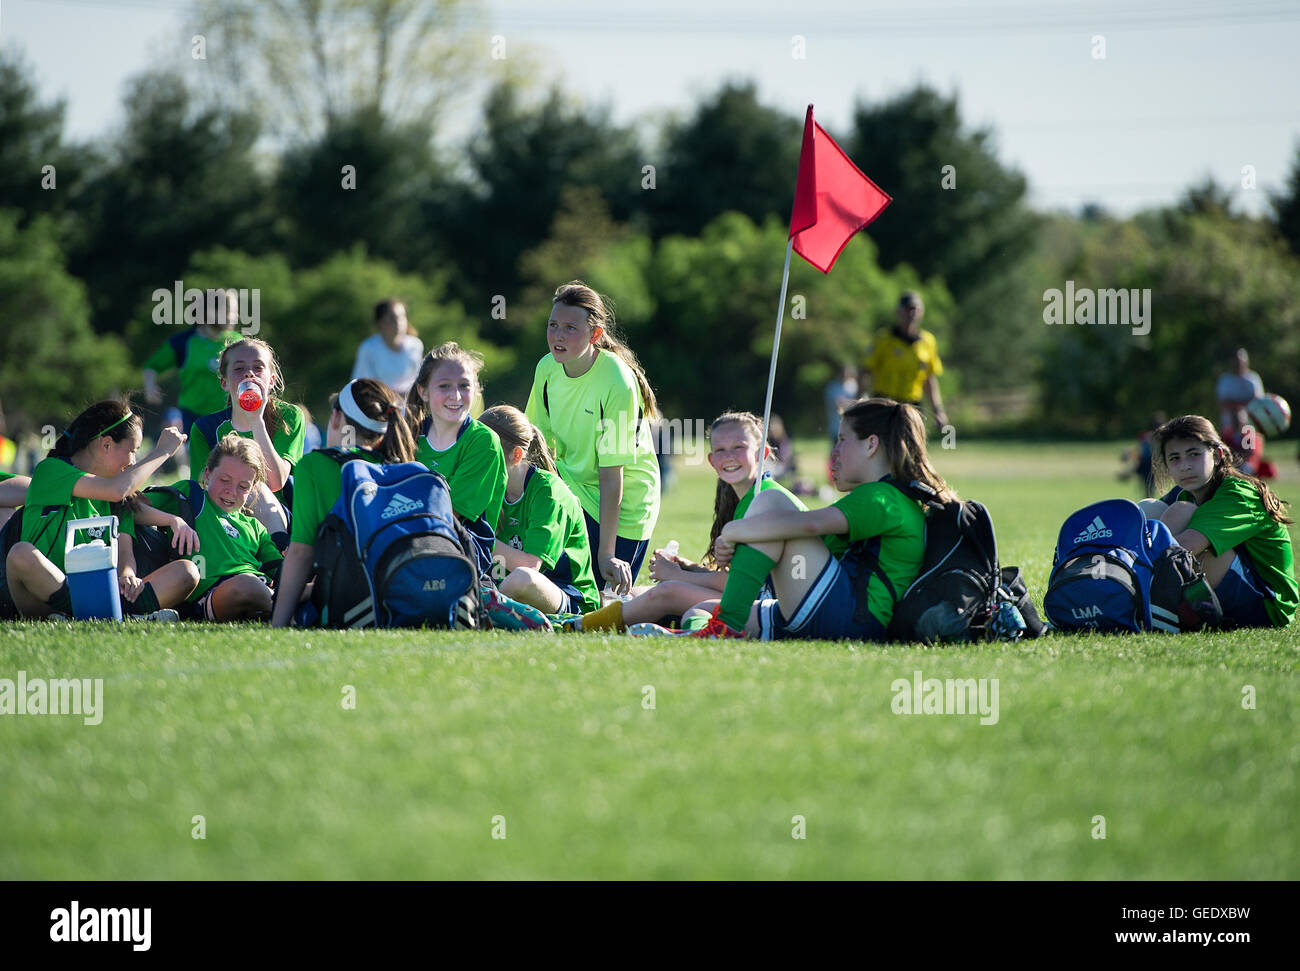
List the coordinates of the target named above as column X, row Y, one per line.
column 725, row 499
column 245, row 450
column 600, row 313
column 516, row 431
column 417, row 409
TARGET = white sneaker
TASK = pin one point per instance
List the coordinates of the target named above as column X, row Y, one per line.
column 652, row 630
column 164, row 616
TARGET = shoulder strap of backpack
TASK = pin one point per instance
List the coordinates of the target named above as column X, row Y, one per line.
column 546, row 401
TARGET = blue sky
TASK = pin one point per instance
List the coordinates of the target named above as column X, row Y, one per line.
column 1186, row 88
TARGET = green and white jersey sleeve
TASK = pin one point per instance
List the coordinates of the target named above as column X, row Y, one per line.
column 596, row 421
column 475, row 470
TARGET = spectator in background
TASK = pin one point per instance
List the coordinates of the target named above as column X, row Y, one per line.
column 1235, row 389
column 194, row 353
column 841, row 391
column 904, row 360
column 392, row 356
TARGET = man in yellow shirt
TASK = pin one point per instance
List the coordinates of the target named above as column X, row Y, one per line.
column 904, row 360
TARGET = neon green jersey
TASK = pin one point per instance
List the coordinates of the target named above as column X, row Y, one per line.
column 475, row 470
column 595, row 421
column 878, row 511
column 546, row 522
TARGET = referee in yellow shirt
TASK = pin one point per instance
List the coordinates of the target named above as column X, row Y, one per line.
column 904, row 360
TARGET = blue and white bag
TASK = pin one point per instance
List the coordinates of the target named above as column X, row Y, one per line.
column 1116, row 571
column 391, row 553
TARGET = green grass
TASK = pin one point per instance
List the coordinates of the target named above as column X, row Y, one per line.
column 246, row 728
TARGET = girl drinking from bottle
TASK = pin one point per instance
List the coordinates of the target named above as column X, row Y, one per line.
column 464, row 450
column 89, row 472
column 735, row 439
column 821, row 561
column 238, row 557
column 365, row 421
column 541, row 535
column 591, row 400
column 1231, row 521
column 251, row 378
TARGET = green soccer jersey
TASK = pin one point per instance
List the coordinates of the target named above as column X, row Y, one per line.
column 195, row 357
column 317, row 482
column 546, row 522
column 595, row 421
column 475, row 470
column 229, row 542
column 879, row 510
column 769, row 484
column 1234, row 518
column 212, row 428
column 50, row 506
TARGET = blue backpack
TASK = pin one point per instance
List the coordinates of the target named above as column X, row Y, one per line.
column 391, row 553
column 1114, row 570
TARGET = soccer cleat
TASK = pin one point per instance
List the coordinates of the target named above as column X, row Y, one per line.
column 164, row 616
column 505, row 614
column 566, row 623
column 716, row 629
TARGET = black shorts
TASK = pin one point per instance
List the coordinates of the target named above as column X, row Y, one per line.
column 201, row 609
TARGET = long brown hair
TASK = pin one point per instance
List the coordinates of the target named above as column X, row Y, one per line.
column 725, row 499
column 901, row 431
column 102, row 418
column 378, row 403
column 273, row 416
column 417, row 410
column 600, row 313
column 1197, row 429
column 516, row 431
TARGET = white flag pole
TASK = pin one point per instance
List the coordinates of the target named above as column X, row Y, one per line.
column 771, row 374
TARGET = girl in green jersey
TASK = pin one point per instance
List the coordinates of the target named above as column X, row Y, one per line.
column 1232, row 522
column 91, row 471
column 541, row 538
column 829, row 566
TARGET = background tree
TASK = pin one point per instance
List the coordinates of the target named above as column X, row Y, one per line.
column 1286, row 206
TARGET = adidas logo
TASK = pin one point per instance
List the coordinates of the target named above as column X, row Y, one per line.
column 1096, row 530
column 399, row 505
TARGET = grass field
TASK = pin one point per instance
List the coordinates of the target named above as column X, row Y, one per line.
column 546, row 740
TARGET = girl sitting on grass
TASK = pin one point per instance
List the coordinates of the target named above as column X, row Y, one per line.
column 734, row 444
column 828, row 566
column 1231, row 521
column 91, row 471
column 237, row 555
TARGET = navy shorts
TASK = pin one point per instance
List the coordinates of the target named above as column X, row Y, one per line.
column 572, row 601
column 826, row 612
column 630, row 550
column 1242, row 595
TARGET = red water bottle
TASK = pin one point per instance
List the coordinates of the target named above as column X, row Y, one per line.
column 250, row 395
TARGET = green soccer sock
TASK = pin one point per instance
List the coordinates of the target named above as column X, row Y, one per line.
column 695, row 622
column 749, row 568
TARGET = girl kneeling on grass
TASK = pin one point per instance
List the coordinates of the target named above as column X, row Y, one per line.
column 237, row 554
column 541, row 536
column 734, row 440
column 366, row 421
column 822, row 562
column 1231, row 521
column 90, row 472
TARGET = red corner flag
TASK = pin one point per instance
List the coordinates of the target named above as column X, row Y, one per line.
column 832, row 198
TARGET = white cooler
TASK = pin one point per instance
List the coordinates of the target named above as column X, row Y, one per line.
column 91, row 569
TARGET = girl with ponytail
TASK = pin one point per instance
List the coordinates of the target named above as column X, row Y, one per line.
column 541, row 538
column 1233, row 522
column 365, row 423
column 91, row 471
column 591, row 400
column 836, row 570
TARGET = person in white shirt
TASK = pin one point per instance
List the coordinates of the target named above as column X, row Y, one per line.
column 393, row 355
column 1235, row 389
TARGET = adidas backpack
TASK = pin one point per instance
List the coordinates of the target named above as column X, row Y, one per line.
column 1115, row 570
column 391, row 553
column 961, row 585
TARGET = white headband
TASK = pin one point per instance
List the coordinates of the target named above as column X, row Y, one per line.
column 348, row 405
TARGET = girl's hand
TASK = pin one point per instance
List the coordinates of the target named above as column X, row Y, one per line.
column 184, row 540
column 169, row 440
column 130, row 586
column 723, row 551
column 617, row 574
column 664, row 567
